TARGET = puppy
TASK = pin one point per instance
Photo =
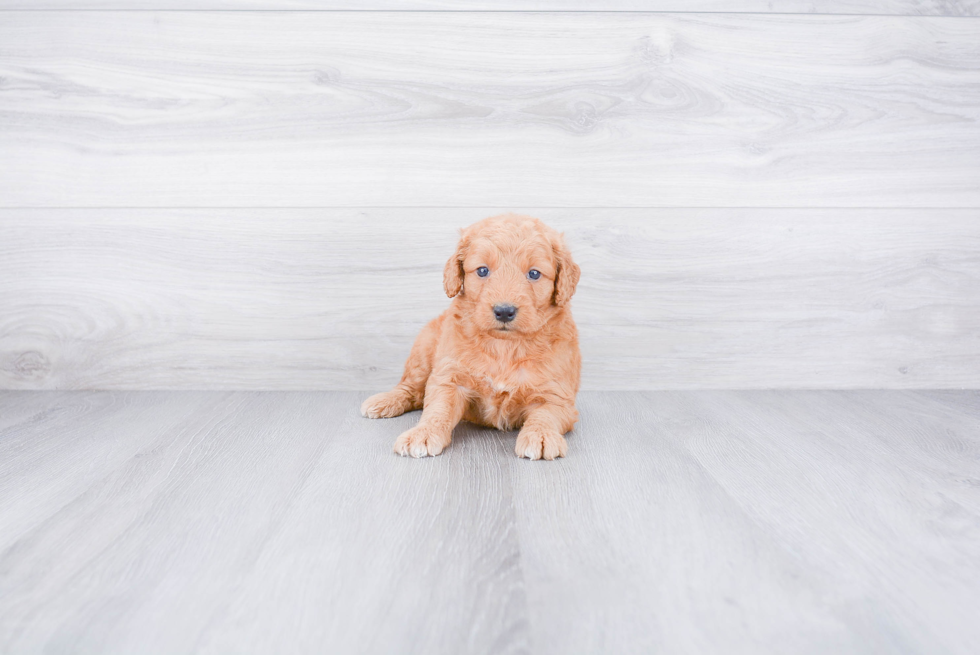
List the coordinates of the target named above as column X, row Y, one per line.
column 505, row 354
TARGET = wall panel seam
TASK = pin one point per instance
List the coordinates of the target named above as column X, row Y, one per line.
column 485, row 11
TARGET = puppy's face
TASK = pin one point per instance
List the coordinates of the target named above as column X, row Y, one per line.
column 512, row 273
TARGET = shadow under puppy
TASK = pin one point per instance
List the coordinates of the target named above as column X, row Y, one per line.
column 505, row 354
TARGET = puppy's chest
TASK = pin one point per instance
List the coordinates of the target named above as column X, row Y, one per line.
column 500, row 383
column 499, row 394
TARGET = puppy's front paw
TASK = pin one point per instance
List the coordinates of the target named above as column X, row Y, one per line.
column 420, row 442
column 385, row 405
column 540, row 444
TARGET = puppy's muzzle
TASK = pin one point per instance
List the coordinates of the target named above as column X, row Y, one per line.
column 504, row 313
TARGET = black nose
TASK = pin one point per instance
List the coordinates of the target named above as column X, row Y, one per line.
column 505, row 313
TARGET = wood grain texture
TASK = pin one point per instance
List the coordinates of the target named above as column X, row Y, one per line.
column 873, row 7
column 707, row 494
column 478, row 109
column 332, row 299
column 185, row 505
column 709, row 522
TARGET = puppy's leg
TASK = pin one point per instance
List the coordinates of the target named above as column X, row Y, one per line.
column 444, row 405
column 543, row 433
column 408, row 394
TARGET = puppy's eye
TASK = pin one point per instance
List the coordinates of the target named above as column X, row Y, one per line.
column 534, row 274
column 483, row 271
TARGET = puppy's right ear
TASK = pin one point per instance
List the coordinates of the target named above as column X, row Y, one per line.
column 452, row 276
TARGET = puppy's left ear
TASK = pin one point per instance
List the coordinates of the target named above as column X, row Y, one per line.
column 567, row 273
column 452, row 276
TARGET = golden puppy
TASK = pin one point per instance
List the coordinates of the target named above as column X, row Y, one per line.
column 505, row 354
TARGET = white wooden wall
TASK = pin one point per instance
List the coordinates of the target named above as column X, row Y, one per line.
column 760, row 193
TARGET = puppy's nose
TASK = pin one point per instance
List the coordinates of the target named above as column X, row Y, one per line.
column 505, row 313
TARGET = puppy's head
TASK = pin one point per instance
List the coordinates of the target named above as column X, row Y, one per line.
column 512, row 275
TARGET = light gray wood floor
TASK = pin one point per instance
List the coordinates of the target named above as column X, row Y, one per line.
column 777, row 521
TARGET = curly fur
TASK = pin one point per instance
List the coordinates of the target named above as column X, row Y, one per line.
column 467, row 365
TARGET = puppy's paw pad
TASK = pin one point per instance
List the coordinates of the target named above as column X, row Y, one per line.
column 384, row 405
column 540, row 445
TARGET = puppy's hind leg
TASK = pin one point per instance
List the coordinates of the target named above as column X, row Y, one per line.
column 409, row 393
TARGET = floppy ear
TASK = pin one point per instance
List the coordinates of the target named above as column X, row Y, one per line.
column 452, row 276
column 567, row 273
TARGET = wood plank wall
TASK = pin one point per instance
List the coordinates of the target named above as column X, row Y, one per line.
column 866, row 7
column 760, row 194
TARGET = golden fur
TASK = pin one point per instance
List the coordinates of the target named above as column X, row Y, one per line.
column 468, row 365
